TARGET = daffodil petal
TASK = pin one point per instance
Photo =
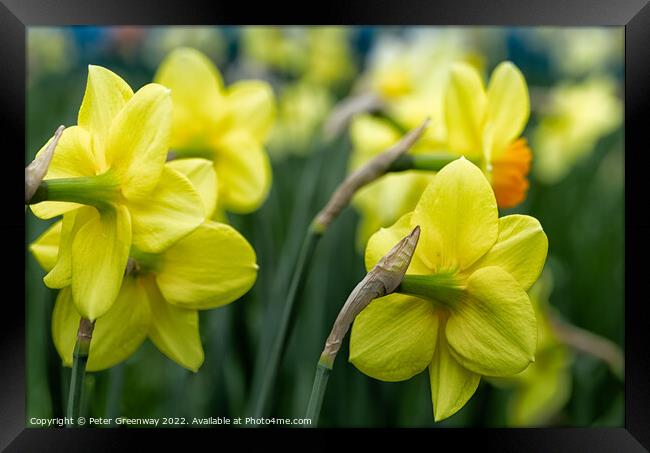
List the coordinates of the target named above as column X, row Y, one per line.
column 243, row 171
column 174, row 330
column 212, row 266
column 493, row 332
column 196, row 93
column 520, row 249
column 394, row 337
column 385, row 239
column 100, row 250
column 106, row 95
column 49, row 209
column 458, row 216
column 61, row 273
column 201, row 174
column 117, row 334
column 508, row 104
column 251, row 106
column 173, row 210
column 452, row 385
column 46, row 247
column 138, row 140
column 72, row 157
column 465, row 107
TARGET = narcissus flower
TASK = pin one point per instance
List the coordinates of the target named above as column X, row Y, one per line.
column 462, row 310
column 109, row 179
column 226, row 125
column 159, row 298
column 486, row 125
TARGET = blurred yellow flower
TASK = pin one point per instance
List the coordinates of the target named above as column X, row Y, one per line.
column 410, row 75
column 109, row 180
column 584, row 50
column 302, row 108
column 320, row 55
column 226, row 125
column 541, row 390
column 576, row 117
column 212, row 266
column 49, row 51
column 462, row 308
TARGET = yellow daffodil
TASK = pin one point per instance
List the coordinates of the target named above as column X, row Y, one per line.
column 462, row 308
column 109, row 180
column 541, row 390
column 576, row 118
column 226, row 125
column 486, row 125
column 159, row 298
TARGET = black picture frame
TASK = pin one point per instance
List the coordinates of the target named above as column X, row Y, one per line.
column 634, row 15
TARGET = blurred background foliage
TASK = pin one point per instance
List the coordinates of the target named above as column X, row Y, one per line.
column 576, row 191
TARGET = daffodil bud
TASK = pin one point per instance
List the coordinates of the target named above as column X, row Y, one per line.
column 382, row 279
column 37, row 169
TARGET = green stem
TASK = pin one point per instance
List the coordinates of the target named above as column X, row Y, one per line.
column 433, row 161
column 80, row 359
column 89, row 190
column 297, row 284
column 188, row 153
column 323, row 370
column 445, row 288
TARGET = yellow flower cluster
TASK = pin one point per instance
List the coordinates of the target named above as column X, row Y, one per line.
column 137, row 181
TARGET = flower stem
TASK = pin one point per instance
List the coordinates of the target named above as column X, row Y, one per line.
column 297, row 283
column 318, row 392
column 80, row 359
column 589, row 343
column 341, row 198
column 90, row 190
column 382, row 279
column 433, row 161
